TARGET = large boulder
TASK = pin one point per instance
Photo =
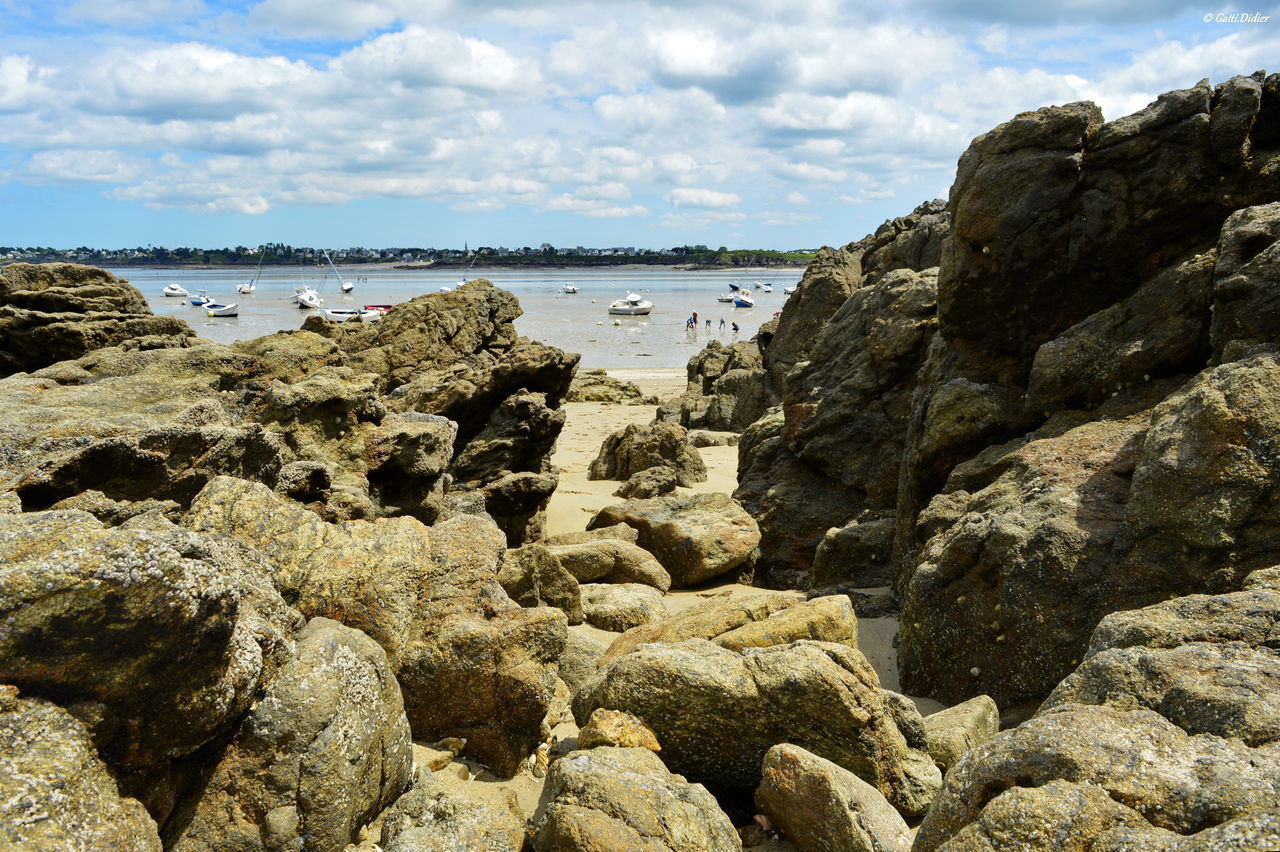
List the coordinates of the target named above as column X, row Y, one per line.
column 1151, row 772
column 435, row 818
column 1246, row 303
column 58, row 311
column 640, row 446
column 606, row 559
column 533, row 576
column 598, row 386
column 325, row 750
column 472, row 662
column 819, row 805
column 954, row 731
column 624, row 798
column 650, row 482
column 696, row 537
column 619, row 607
column 717, row 712
column 54, row 791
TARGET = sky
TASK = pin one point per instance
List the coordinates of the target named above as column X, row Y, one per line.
column 653, row 123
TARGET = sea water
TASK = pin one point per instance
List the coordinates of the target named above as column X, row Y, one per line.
column 574, row 322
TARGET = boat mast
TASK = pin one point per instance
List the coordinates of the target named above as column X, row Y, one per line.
column 331, row 266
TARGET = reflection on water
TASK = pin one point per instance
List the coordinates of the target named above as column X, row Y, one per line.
column 576, row 322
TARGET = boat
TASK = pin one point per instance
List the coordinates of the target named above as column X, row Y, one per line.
column 758, row 285
column 175, row 290
column 474, row 258
column 789, row 290
column 744, row 300
column 634, row 305
column 213, row 309
column 246, row 289
column 569, row 287
column 253, row 282
column 445, row 288
column 202, row 299
column 735, row 286
column 380, row 310
column 308, row 299
column 352, row 314
column 348, row 286
column 768, row 288
column 725, row 297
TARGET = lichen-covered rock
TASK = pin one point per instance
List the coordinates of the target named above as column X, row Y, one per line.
column 580, row 658
column 1173, row 781
column 1246, row 302
column 598, row 386
column 54, row 791
column 954, row 731
column 624, row 798
column 650, row 482
column 606, row 559
column 695, row 536
column 622, row 532
column 640, row 446
column 157, row 652
column 323, row 752
column 472, row 663
column 710, row 438
column 717, row 712
column 616, row 728
column 434, row 818
column 533, row 576
column 858, row 554
column 819, row 805
column 621, row 606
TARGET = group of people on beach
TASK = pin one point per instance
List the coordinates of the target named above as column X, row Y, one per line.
column 692, row 322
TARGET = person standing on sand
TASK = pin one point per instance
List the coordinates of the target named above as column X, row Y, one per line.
column 722, row 323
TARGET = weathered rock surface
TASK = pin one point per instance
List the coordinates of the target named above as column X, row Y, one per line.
column 954, row 731
column 471, row 662
column 624, row 798
column 606, row 559
column 639, row 447
column 54, row 791
column 1246, row 302
column 622, row 606
column 1151, row 771
column 533, row 576
column 616, row 728
column 695, row 536
column 711, row 438
column 598, row 386
column 59, row 311
column 650, row 482
column 323, row 752
column 580, row 659
column 819, row 805
column 717, row 712
column 433, row 818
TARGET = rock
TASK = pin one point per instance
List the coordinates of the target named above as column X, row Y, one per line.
column 324, row 751
column 624, row 798
column 1172, row 781
column 472, row 663
column 114, row 512
column 708, row 438
column 54, row 791
column 954, row 731
column 533, row 576
column 1246, row 303
column 650, row 482
column 616, row 728
column 157, row 653
column 59, row 311
column 639, row 447
column 621, row 607
column 819, row 805
column 717, row 712
column 599, row 386
column 858, row 554
column 622, row 532
column 1257, row 832
column 716, row 360
column 1247, row 617
column 695, row 537
column 610, row 560
column 580, row 658
column 434, row 818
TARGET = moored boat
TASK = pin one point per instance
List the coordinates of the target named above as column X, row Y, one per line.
column 201, row 299
column 214, row 309
column 569, row 287
column 634, row 305
column 724, row 297
column 744, row 300
column 351, row 314
column 175, row 290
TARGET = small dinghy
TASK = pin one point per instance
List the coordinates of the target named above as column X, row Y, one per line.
column 569, row 287
column 213, row 309
column 725, row 297
column 202, row 299
column 351, row 315
column 176, row 290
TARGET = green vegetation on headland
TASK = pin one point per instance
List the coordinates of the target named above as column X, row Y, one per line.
column 546, row 255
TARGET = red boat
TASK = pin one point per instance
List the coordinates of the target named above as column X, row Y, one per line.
column 382, row 309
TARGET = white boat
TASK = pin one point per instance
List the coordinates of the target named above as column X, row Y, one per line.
column 744, row 300
column 246, row 289
column 348, row 286
column 789, row 290
column 309, row 299
column 569, row 287
column 213, row 309
column 634, row 305
column 445, row 288
column 175, row 290
column 725, row 297
column 768, row 288
column 758, row 285
column 253, row 282
column 201, row 299
column 351, row 315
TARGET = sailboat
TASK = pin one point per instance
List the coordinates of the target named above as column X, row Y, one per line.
column 474, row 258
column 253, row 282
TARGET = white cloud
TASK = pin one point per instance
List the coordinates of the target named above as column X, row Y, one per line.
column 79, row 165
column 708, row 198
column 799, row 199
column 418, row 57
column 134, row 11
column 20, row 83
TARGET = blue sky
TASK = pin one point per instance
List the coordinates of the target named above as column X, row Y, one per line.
column 505, row 122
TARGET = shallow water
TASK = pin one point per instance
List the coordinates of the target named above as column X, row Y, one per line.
column 577, row 323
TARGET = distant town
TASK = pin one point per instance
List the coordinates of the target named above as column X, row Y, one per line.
column 278, row 254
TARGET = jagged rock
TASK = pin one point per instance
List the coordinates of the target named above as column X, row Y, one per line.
column 606, row 559
column 54, row 791
column 1142, row 763
column 472, row 663
column 58, row 311
column 1246, row 301
column 1259, row 832
column 857, row 554
column 717, row 712
column 819, row 805
column 695, row 537
column 624, row 798
column 324, row 751
column 433, row 818
column 533, row 576
column 616, row 728
column 639, row 447
column 650, row 482
column 598, row 386
column 954, row 731
column 622, row 606
column 716, row 360
column 156, row 652
column 114, row 512
column 708, row 438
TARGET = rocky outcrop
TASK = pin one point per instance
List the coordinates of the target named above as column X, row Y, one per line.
column 695, row 536
column 324, row 751
column 54, row 791
column 60, row 311
column 650, row 482
column 434, row 818
column 717, row 712
column 819, row 805
column 598, row 386
column 533, row 576
column 727, row 390
column 624, row 798
column 640, row 447
column 472, row 663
